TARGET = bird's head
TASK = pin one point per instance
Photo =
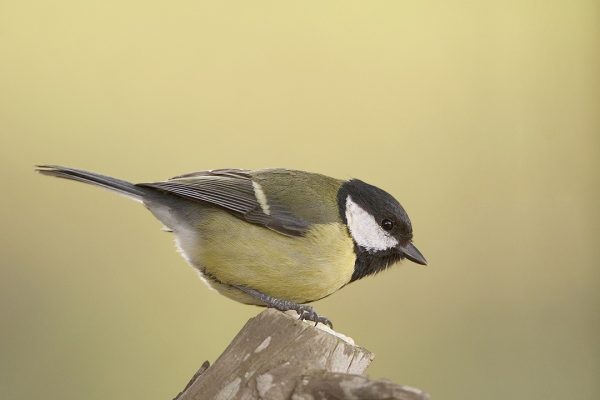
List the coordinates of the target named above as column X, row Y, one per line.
column 379, row 226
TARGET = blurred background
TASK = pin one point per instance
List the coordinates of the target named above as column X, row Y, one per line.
column 482, row 118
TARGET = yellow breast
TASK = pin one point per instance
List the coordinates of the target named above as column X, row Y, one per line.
column 299, row 269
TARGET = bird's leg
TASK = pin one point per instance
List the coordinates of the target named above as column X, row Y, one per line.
column 305, row 312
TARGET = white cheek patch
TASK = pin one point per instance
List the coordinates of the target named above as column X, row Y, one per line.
column 365, row 231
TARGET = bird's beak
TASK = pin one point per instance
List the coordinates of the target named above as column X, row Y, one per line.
column 413, row 254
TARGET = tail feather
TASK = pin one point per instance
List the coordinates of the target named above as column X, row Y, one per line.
column 122, row 187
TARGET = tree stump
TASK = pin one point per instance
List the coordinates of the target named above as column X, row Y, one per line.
column 278, row 357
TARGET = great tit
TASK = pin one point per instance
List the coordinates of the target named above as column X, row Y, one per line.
column 273, row 237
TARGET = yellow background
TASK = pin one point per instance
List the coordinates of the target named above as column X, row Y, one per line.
column 482, row 118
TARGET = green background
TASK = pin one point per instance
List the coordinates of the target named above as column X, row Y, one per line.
column 481, row 117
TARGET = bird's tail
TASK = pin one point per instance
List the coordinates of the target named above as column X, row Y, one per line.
column 122, row 187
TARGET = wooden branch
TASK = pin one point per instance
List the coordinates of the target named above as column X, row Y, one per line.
column 277, row 357
column 332, row 385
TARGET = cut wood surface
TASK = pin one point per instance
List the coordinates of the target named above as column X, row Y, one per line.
column 278, row 357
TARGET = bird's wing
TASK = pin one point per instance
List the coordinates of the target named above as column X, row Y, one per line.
column 234, row 191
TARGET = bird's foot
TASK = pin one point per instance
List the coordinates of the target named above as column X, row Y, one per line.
column 305, row 312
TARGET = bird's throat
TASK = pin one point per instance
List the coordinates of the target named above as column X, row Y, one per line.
column 370, row 263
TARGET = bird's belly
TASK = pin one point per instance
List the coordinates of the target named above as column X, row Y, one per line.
column 228, row 251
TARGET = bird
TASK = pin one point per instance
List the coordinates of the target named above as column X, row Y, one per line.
column 279, row 238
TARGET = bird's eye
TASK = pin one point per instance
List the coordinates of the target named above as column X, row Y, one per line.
column 387, row 225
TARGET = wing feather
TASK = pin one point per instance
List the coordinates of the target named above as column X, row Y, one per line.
column 233, row 191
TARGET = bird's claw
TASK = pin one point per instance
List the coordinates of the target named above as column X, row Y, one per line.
column 308, row 313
